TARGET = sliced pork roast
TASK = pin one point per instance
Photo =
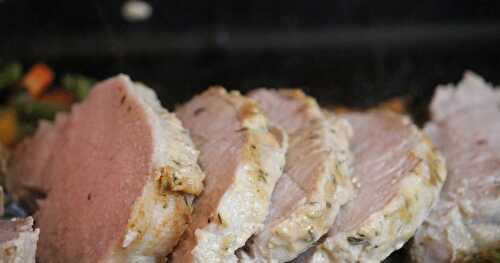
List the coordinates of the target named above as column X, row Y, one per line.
column 242, row 156
column 18, row 240
column 316, row 180
column 465, row 126
column 399, row 176
column 31, row 156
column 119, row 173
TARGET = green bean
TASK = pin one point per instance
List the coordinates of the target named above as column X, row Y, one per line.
column 79, row 85
column 10, row 74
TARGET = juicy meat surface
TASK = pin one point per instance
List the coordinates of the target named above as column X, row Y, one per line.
column 385, row 148
column 18, row 240
column 316, row 180
column 242, row 157
column 465, row 126
column 399, row 176
column 116, row 172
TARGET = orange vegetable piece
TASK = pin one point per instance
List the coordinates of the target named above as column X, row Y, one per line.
column 59, row 97
column 38, row 79
column 8, row 126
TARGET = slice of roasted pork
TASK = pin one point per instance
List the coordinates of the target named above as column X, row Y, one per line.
column 316, row 180
column 399, row 174
column 242, row 156
column 119, row 173
column 18, row 240
column 31, row 156
column 465, row 225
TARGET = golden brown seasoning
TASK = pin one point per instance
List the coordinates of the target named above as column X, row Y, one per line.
column 248, row 110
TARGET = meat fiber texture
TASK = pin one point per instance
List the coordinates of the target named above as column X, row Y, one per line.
column 18, row 240
column 465, row 126
column 119, row 173
column 243, row 157
column 399, row 175
column 316, row 180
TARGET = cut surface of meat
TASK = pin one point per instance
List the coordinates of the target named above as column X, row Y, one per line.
column 18, row 240
column 399, row 176
column 242, row 156
column 316, row 179
column 32, row 155
column 465, row 126
column 119, row 172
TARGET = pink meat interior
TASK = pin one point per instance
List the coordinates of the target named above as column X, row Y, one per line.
column 307, row 152
column 100, row 163
column 465, row 127
column 213, row 120
column 381, row 147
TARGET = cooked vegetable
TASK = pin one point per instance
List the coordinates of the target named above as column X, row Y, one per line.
column 39, row 98
column 38, row 79
column 8, row 126
column 34, row 109
column 10, row 74
column 496, row 255
column 79, row 85
column 60, row 97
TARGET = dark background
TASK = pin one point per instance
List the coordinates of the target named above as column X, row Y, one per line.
column 350, row 52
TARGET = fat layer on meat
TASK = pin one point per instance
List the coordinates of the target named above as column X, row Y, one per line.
column 119, row 173
column 316, row 180
column 399, row 174
column 243, row 157
column 465, row 126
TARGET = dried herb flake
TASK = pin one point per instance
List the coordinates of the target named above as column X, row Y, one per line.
column 355, row 240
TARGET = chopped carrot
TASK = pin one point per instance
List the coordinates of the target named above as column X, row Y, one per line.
column 8, row 126
column 60, row 97
column 38, row 79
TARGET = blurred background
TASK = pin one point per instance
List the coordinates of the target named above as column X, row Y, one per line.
column 350, row 52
